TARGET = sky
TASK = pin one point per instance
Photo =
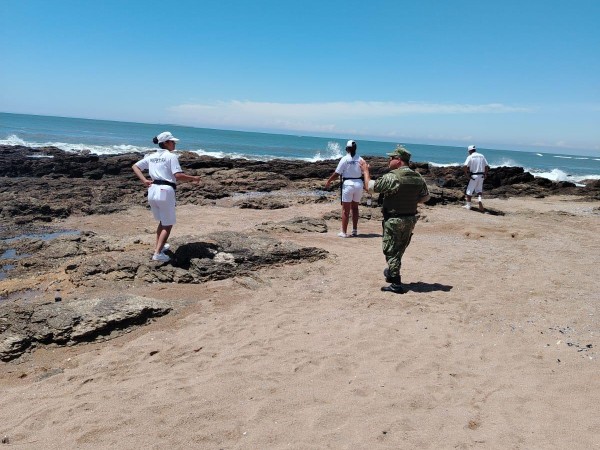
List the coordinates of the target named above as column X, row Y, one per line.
column 506, row 74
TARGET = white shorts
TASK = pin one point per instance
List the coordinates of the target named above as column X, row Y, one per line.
column 352, row 191
column 162, row 203
column 475, row 185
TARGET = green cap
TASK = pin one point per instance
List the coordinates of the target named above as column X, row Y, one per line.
column 402, row 153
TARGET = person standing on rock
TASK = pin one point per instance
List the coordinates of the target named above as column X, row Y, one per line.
column 476, row 168
column 352, row 186
column 402, row 190
column 164, row 169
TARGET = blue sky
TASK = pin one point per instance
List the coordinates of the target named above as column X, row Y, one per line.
column 501, row 74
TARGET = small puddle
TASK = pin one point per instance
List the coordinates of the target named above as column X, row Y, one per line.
column 5, row 268
column 42, row 236
column 12, row 255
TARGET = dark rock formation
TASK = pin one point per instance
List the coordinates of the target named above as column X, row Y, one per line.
column 38, row 185
column 68, row 323
column 220, row 255
column 90, row 261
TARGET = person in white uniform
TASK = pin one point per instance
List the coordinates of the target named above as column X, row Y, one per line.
column 476, row 168
column 350, row 171
column 164, row 170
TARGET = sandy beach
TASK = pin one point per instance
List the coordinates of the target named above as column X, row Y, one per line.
column 495, row 344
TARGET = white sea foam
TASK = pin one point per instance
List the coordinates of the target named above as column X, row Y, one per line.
column 554, row 175
column 506, row 162
column 559, row 175
column 539, row 154
column 561, row 156
column 78, row 148
column 432, row 164
column 14, row 140
column 222, row 154
column 333, row 151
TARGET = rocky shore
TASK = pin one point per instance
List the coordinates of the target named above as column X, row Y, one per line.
column 41, row 261
column 42, row 184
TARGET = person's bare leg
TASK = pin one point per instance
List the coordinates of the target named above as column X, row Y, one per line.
column 354, row 215
column 480, row 202
column 162, row 234
column 468, row 201
column 345, row 216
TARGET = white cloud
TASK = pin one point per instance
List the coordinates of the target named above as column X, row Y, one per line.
column 323, row 117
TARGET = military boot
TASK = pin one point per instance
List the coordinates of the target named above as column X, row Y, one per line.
column 388, row 277
column 386, row 274
column 395, row 286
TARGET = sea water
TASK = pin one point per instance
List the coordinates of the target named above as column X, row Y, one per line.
column 104, row 137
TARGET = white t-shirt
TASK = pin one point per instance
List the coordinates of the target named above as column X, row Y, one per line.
column 476, row 163
column 161, row 165
column 349, row 167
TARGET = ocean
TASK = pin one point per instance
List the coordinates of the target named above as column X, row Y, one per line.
column 104, row 137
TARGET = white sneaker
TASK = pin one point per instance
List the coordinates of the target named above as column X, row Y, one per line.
column 354, row 232
column 160, row 257
column 165, row 248
column 467, row 206
column 342, row 234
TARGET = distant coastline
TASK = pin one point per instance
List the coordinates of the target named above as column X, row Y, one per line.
column 104, row 137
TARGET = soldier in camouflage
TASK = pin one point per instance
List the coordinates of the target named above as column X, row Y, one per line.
column 402, row 189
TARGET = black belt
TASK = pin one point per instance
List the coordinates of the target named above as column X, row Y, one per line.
column 477, row 173
column 166, row 183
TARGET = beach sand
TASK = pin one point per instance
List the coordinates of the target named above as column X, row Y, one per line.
column 496, row 344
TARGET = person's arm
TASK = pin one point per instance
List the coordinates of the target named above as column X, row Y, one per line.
column 424, row 194
column 467, row 166
column 180, row 176
column 141, row 176
column 333, row 176
column 368, row 183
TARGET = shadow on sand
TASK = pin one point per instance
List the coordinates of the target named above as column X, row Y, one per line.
column 426, row 287
column 367, row 235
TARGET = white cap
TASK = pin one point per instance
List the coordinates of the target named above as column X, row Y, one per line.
column 471, row 148
column 350, row 143
column 166, row 136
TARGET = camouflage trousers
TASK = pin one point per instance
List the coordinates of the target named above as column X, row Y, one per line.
column 397, row 232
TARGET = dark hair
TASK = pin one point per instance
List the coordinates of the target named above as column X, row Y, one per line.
column 352, row 149
column 155, row 140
